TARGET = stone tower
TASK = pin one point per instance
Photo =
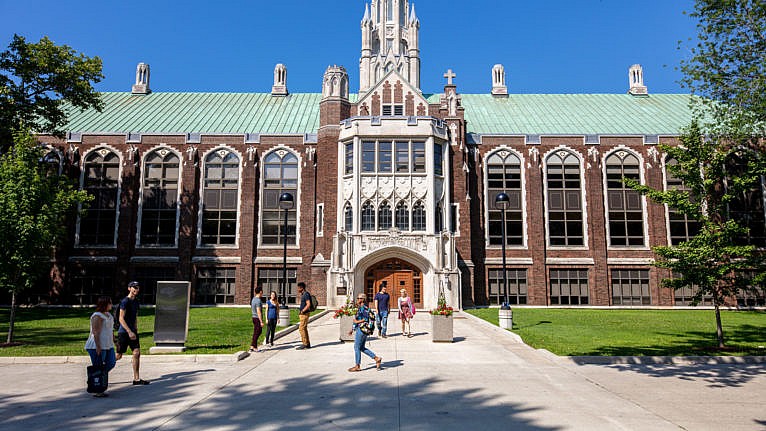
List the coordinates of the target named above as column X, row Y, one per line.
column 390, row 41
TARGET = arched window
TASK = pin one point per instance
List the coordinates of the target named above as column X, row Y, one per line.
column 101, row 174
column 402, row 216
column 159, row 207
column 280, row 172
column 419, row 216
column 348, row 216
column 52, row 163
column 682, row 227
column 220, row 198
column 747, row 209
column 625, row 206
column 384, row 216
column 504, row 176
column 368, row 216
column 565, row 213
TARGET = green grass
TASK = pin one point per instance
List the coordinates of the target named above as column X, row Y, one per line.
column 62, row 331
column 588, row 332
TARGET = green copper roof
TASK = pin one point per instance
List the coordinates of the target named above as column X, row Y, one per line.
column 200, row 113
column 517, row 114
column 579, row 114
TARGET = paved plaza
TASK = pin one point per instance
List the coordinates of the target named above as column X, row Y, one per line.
column 486, row 380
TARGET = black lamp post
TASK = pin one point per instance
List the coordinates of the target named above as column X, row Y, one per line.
column 285, row 203
column 501, row 201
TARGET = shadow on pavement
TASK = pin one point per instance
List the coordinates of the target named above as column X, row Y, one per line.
column 716, row 376
column 367, row 400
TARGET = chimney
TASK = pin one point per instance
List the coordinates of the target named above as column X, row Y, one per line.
column 280, row 81
column 142, row 79
column 636, row 79
column 498, row 81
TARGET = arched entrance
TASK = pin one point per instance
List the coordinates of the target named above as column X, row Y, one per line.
column 397, row 274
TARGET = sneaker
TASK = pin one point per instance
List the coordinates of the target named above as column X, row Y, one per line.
column 140, row 382
column 101, row 395
column 271, row 344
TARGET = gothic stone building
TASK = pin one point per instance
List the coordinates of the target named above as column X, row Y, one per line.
column 389, row 184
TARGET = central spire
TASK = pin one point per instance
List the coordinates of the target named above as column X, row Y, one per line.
column 390, row 31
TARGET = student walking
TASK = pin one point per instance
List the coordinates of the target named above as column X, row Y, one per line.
column 257, row 311
column 381, row 302
column 100, row 343
column 271, row 318
column 305, row 307
column 127, row 335
column 406, row 312
column 362, row 315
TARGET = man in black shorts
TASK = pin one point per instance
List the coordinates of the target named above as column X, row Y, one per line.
column 127, row 335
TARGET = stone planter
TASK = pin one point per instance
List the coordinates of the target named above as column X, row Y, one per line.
column 441, row 328
column 346, row 323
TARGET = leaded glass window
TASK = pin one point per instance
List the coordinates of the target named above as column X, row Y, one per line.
column 368, row 216
column 419, row 216
column 159, row 204
column 220, row 198
column 625, row 205
column 384, row 216
column 565, row 211
column 402, row 216
column 280, row 171
column 504, row 176
column 101, row 174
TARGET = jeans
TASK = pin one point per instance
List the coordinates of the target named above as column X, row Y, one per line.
column 107, row 357
column 359, row 339
column 381, row 319
column 271, row 329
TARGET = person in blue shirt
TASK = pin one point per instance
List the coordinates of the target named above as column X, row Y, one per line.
column 381, row 300
column 271, row 318
column 362, row 315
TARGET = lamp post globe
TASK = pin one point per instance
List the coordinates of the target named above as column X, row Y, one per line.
column 505, row 319
column 286, row 202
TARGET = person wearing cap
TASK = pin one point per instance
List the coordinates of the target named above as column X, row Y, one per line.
column 127, row 335
column 362, row 315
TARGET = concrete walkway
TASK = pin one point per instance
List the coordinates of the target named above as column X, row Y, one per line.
column 486, row 380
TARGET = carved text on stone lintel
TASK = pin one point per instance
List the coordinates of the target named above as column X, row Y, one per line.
column 371, row 243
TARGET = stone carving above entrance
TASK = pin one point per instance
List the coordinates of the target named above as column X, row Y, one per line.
column 393, row 238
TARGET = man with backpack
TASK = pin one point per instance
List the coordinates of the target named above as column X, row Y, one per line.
column 304, row 313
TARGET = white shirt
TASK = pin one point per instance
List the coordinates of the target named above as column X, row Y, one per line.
column 106, row 336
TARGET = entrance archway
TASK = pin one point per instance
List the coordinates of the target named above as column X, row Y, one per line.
column 397, row 274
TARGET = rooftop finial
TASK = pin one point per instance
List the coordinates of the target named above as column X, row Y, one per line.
column 142, row 79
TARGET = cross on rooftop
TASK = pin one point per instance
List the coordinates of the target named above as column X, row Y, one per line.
column 449, row 75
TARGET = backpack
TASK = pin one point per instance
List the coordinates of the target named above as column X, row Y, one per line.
column 368, row 326
column 314, row 304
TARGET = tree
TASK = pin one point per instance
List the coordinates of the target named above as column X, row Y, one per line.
column 720, row 158
column 34, row 204
column 36, row 79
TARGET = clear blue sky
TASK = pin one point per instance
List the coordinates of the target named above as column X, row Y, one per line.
column 555, row 46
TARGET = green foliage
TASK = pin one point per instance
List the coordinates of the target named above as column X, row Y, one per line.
column 33, row 206
column 35, row 81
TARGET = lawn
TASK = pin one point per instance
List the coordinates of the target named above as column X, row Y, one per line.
column 62, row 331
column 589, row 332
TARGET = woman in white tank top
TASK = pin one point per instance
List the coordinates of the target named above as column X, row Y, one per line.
column 100, row 344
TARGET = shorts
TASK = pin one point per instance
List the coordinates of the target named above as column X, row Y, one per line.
column 124, row 341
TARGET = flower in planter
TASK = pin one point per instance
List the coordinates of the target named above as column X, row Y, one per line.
column 347, row 309
column 441, row 306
